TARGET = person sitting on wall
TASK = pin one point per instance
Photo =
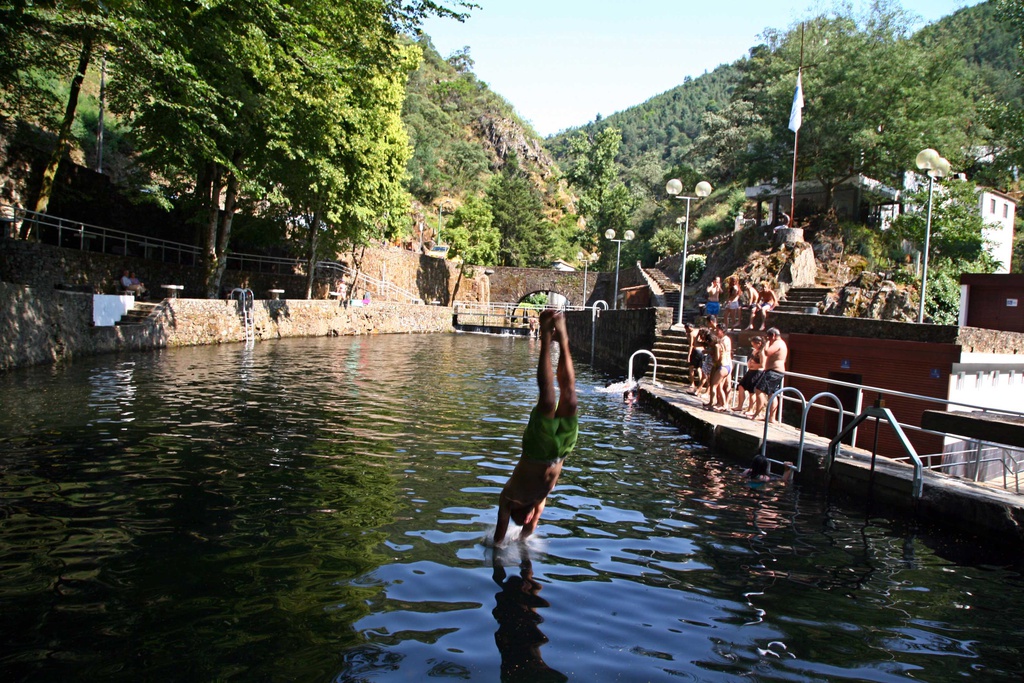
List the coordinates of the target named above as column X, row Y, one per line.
column 767, row 300
column 130, row 283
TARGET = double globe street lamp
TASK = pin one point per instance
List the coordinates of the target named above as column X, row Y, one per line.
column 932, row 163
column 673, row 188
column 609, row 234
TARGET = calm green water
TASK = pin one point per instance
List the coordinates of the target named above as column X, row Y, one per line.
column 315, row 510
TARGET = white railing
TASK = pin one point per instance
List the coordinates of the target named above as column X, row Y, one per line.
column 381, row 288
column 1010, row 457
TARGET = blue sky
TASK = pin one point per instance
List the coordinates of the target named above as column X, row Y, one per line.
column 562, row 62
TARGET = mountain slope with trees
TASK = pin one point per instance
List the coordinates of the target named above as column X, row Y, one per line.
column 475, row 159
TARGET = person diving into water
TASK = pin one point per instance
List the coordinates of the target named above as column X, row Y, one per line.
column 548, row 438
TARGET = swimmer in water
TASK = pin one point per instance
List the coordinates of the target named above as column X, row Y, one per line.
column 758, row 472
column 549, row 437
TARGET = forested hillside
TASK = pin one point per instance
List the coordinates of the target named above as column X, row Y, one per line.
column 876, row 92
column 317, row 139
column 469, row 146
column 665, row 126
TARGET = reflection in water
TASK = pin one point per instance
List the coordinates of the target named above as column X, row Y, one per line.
column 519, row 637
column 316, row 510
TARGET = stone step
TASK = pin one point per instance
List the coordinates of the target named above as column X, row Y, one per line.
column 139, row 314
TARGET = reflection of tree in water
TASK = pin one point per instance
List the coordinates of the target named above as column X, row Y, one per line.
column 519, row 637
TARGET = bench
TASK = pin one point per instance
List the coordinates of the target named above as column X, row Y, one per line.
column 172, row 290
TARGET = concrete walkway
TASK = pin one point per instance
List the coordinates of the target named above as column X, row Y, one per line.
column 976, row 509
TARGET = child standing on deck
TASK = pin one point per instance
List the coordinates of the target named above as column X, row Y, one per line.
column 549, row 437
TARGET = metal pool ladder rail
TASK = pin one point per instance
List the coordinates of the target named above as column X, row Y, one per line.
column 246, row 303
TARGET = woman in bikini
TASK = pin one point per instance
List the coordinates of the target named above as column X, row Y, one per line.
column 719, row 396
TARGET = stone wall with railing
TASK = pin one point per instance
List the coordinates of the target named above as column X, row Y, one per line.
column 44, row 325
column 607, row 340
column 45, row 266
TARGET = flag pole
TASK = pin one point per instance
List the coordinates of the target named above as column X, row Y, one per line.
column 792, row 185
column 795, row 120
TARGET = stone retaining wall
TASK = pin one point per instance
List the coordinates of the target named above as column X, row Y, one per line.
column 44, row 266
column 43, row 325
column 39, row 326
column 616, row 336
column 191, row 322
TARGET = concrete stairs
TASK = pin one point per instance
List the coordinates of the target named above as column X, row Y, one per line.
column 140, row 314
column 799, row 299
column 670, row 293
column 672, row 348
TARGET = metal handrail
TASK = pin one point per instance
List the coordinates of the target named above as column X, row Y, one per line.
column 903, row 394
column 901, row 426
column 246, row 302
column 84, row 236
column 654, row 375
column 500, row 308
column 380, row 287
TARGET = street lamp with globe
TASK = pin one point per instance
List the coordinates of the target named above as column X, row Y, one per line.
column 932, row 163
column 673, row 188
column 610, row 235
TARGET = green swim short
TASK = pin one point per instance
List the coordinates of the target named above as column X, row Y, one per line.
column 547, row 439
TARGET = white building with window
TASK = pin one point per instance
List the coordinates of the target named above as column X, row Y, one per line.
column 999, row 211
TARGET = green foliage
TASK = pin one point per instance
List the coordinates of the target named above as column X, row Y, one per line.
column 661, row 130
column 863, row 241
column 695, row 266
column 472, row 235
column 956, row 243
column 942, row 299
column 604, row 201
column 872, row 94
column 444, row 110
column 1017, row 265
column 722, row 217
column 535, row 300
column 667, row 241
column 518, row 213
column 956, row 227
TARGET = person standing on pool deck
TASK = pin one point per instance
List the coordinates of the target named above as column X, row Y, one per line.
column 549, row 437
column 775, row 353
column 714, row 293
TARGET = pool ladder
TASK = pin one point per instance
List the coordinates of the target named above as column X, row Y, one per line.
column 246, row 303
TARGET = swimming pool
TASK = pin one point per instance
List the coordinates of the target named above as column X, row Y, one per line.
column 317, row 509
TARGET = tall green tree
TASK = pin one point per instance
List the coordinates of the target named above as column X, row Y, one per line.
column 957, row 244
column 472, row 235
column 518, row 212
column 47, row 40
column 602, row 199
column 215, row 93
column 873, row 98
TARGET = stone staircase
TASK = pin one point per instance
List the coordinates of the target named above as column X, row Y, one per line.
column 670, row 293
column 799, row 299
column 672, row 348
column 140, row 314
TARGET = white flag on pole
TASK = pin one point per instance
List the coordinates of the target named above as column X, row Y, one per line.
column 796, row 113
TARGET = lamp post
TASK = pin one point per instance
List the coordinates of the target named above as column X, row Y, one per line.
column 580, row 256
column 673, row 188
column 932, row 163
column 610, row 235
